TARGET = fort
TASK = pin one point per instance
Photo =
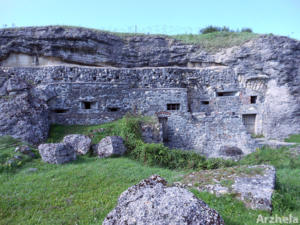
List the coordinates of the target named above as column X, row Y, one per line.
column 213, row 103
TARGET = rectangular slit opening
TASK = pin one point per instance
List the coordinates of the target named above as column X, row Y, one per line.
column 205, row 102
column 60, row 110
column 113, row 109
column 227, row 93
column 173, row 106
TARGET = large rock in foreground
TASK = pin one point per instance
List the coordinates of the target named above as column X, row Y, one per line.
column 152, row 202
column 80, row 143
column 57, row 153
column 111, row 145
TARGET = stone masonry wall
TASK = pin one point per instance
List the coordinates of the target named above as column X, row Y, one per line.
column 211, row 101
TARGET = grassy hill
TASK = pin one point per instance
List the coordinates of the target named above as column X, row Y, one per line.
column 84, row 191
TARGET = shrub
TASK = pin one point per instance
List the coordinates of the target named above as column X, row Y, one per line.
column 159, row 155
column 211, row 29
column 246, row 29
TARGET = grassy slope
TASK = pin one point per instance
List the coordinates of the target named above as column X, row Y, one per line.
column 83, row 192
column 78, row 193
column 213, row 42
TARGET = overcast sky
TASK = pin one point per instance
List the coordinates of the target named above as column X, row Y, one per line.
column 280, row 17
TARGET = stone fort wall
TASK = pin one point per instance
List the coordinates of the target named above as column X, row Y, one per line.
column 205, row 107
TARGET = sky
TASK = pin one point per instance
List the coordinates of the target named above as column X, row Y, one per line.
column 281, row 17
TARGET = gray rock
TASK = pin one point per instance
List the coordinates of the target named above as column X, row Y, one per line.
column 80, row 143
column 23, row 115
column 257, row 191
column 151, row 202
column 91, row 48
column 253, row 185
column 111, row 145
column 57, row 153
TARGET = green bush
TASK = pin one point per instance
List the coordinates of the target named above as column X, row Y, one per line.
column 159, row 155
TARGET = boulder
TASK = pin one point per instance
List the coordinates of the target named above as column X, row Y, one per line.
column 111, row 145
column 57, row 153
column 152, row 202
column 80, row 143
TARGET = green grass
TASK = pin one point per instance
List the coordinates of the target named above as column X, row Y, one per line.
column 82, row 192
column 8, row 162
column 293, row 138
column 213, row 42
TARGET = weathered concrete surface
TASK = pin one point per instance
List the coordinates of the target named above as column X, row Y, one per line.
column 80, row 143
column 57, row 153
column 111, row 145
column 22, row 114
column 253, row 185
column 151, row 202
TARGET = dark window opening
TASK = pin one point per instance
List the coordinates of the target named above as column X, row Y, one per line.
column 226, row 93
column 173, row 106
column 205, row 102
column 94, row 78
column 117, row 77
column 60, row 110
column 87, row 105
column 253, row 99
column 113, row 109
